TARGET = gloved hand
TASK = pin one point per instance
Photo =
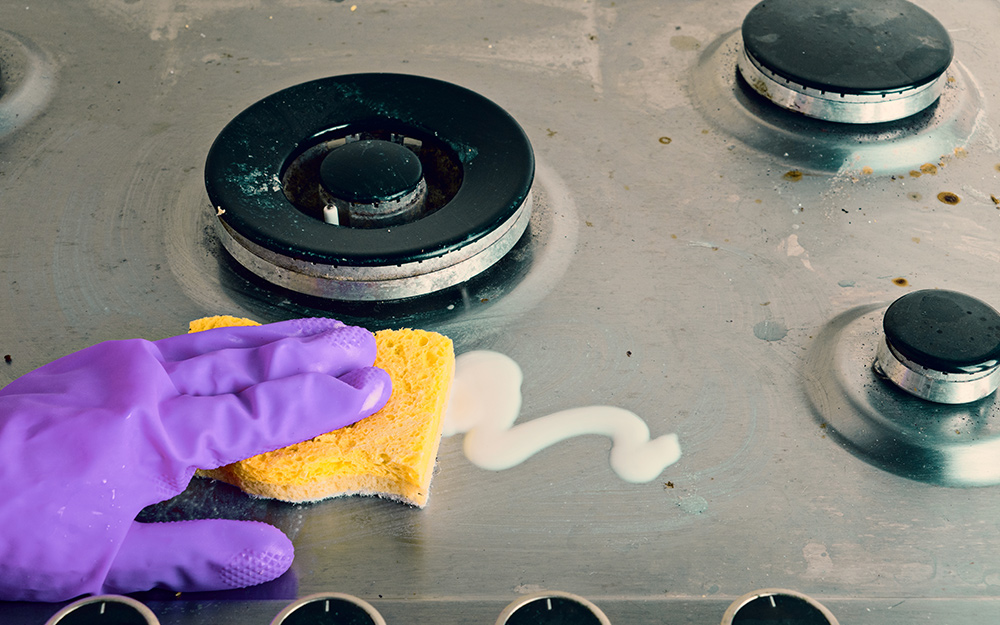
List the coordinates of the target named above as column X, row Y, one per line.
column 89, row 440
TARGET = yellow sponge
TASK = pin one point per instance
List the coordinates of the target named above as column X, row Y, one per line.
column 390, row 454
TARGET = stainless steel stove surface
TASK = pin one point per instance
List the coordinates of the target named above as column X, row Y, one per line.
column 695, row 254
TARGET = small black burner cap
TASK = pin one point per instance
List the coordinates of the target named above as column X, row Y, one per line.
column 944, row 331
column 370, row 171
column 848, row 46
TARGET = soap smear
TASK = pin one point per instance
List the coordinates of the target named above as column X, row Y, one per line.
column 486, row 401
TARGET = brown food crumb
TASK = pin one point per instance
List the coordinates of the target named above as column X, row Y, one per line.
column 949, row 198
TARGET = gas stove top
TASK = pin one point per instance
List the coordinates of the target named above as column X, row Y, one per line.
column 689, row 250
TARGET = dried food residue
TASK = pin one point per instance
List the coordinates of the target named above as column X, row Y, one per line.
column 949, row 198
column 901, row 282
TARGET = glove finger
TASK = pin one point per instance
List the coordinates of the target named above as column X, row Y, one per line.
column 333, row 352
column 211, row 431
column 193, row 344
column 193, row 556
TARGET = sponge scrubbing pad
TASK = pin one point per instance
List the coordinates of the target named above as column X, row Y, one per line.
column 390, row 454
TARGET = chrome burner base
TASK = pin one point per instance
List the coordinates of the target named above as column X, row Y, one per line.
column 378, row 282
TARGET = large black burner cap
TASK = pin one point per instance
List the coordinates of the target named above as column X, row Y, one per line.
column 848, row 46
column 245, row 165
column 944, row 330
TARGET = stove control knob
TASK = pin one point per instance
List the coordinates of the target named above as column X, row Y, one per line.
column 371, row 183
column 104, row 610
column 552, row 608
column 333, row 608
column 777, row 605
column 941, row 346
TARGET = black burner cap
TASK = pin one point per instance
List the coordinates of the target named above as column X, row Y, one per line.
column 370, row 171
column 848, row 46
column 944, row 331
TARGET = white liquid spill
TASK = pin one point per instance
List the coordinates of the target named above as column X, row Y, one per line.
column 486, row 400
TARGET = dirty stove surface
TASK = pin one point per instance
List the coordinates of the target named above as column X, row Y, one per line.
column 693, row 256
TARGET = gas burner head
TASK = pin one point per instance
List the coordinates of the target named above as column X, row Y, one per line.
column 845, row 60
column 370, row 187
column 911, row 387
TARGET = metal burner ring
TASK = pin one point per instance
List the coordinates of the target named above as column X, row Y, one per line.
column 848, row 108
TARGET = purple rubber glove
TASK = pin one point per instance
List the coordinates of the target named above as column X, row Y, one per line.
column 89, row 440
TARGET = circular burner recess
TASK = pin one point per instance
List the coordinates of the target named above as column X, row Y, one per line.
column 849, row 61
column 480, row 220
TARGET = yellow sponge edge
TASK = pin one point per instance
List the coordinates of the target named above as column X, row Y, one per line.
column 390, row 454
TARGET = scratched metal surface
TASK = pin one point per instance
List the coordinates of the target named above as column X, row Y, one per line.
column 673, row 267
